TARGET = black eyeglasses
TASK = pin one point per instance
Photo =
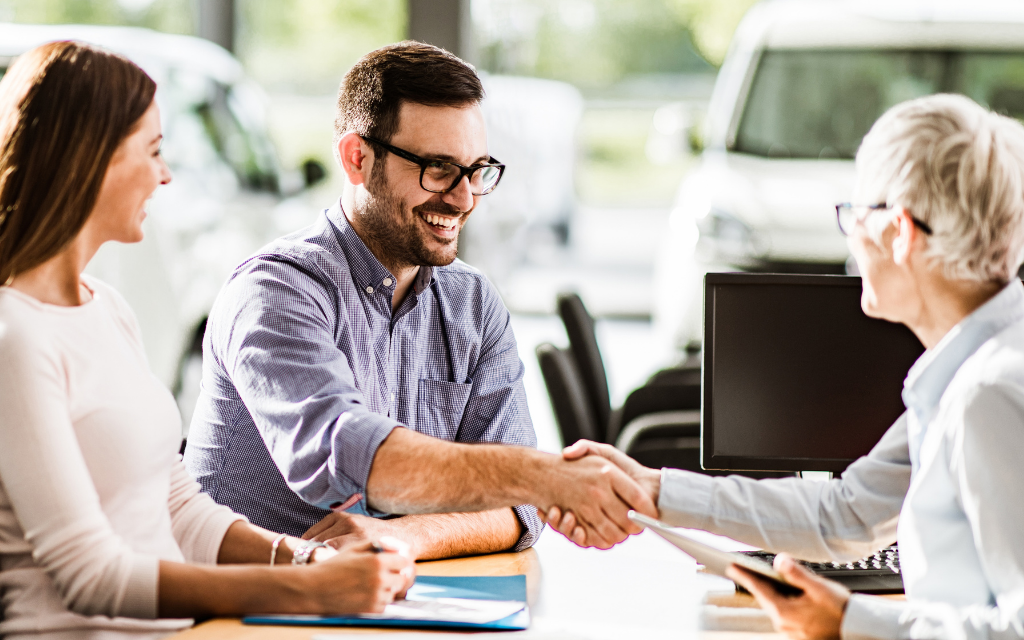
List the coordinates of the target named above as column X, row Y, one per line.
column 438, row 176
column 846, row 216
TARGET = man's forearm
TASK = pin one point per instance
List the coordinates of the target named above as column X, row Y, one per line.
column 448, row 535
column 413, row 473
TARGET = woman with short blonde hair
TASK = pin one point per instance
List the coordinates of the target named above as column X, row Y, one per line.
column 937, row 230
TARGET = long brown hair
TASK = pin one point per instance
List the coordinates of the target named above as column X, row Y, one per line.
column 64, row 109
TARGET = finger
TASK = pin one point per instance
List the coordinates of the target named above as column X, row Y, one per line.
column 579, row 536
column 554, row 514
column 396, row 545
column 633, row 495
column 578, row 449
column 795, row 573
column 542, row 516
column 319, row 527
column 766, row 596
column 601, row 532
column 568, row 522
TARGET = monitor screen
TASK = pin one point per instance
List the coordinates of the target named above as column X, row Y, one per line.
column 795, row 376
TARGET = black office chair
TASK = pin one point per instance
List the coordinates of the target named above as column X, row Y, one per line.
column 676, row 389
column 572, row 409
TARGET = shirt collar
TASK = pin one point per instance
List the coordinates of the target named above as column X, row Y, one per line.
column 366, row 269
column 931, row 374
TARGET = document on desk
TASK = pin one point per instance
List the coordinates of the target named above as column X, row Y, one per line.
column 449, row 602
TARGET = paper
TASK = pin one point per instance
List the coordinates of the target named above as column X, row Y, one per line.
column 449, row 610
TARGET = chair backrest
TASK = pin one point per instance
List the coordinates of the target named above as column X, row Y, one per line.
column 583, row 344
column 570, row 403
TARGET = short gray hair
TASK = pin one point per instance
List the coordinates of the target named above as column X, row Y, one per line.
column 960, row 169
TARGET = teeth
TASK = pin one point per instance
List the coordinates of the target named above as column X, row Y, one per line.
column 439, row 221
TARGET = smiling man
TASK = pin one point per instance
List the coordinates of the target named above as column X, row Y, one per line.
column 353, row 369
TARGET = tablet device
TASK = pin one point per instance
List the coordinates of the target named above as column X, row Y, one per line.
column 714, row 560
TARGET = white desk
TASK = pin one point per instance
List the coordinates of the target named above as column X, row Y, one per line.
column 643, row 588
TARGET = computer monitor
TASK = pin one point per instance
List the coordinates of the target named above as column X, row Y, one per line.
column 795, row 376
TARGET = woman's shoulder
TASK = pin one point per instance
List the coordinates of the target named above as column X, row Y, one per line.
column 23, row 327
column 993, row 375
column 109, row 297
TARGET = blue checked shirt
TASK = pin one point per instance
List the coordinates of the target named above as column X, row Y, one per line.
column 306, row 370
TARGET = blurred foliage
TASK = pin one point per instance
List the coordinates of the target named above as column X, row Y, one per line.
column 307, row 45
column 712, row 23
column 297, row 45
column 590, row 43
column 172, row 16
column 614, row 170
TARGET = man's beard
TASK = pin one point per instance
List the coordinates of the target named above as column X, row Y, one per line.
column 396, row 241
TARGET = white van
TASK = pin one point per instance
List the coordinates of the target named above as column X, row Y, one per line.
column 227, row 198
column 802, row 83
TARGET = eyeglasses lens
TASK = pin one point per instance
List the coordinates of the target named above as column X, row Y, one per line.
column 847, row 219
column 440, row 176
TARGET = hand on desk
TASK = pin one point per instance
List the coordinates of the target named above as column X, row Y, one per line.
column 815, row 615
column 565, row 521
column 358, row 578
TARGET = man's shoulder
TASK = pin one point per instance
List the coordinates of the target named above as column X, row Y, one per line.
column 312, row 251
column 459, row 273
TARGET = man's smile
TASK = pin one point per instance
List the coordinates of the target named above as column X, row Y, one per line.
column 443, row 225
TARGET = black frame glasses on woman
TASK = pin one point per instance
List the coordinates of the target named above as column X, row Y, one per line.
column 435, row 174
column 846, row 216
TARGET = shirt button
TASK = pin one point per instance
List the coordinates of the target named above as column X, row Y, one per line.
column 369, row 289
column 392, row 397
column 387, row 282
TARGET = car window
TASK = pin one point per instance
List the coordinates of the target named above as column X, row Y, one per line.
column 819, row 104
column 223, row 116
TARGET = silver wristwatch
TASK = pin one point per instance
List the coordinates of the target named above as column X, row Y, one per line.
column 304, row 551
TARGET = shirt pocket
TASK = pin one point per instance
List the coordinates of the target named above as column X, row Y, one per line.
column 439, row 407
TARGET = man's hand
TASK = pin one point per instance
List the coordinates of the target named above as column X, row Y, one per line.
column 598, row 494
column 339, row 529
column 815, row 615
column 565, row 521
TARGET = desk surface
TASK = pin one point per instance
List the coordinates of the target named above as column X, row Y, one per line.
column 641, row 588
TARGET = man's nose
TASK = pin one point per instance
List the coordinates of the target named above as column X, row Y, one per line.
column 461, row 197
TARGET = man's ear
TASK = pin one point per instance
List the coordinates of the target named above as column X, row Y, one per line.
column 904, row 237
column 355, row 157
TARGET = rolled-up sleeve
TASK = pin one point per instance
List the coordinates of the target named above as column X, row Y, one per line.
column 497, row 410
column 280, row 351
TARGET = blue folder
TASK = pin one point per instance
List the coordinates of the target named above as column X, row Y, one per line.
column 470, row 587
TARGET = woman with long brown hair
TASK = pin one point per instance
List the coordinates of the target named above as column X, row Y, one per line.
column 102, row 531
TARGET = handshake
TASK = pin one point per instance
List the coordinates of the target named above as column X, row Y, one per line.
column 600, row 486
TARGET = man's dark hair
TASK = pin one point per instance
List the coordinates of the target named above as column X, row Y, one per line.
column 374, row 89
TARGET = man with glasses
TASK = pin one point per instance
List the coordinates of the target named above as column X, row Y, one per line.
column 353, row 369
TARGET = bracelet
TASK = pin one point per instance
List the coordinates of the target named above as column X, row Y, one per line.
column 304, row 551
column 274, row 546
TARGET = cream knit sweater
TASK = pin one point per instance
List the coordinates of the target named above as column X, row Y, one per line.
column 93, row 493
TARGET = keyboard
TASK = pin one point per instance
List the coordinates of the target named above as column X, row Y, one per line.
column 877, row 573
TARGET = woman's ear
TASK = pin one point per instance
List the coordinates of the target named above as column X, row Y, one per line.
column 904, row 235
column 355, row 158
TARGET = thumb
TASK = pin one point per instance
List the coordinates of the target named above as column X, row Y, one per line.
column 578, row 449
column 793, row 572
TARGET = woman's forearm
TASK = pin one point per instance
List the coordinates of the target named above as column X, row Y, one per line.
column 189, row 591
column 245, row 543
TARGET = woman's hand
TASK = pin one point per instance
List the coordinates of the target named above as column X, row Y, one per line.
column 360, row 579
column 815, row 615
